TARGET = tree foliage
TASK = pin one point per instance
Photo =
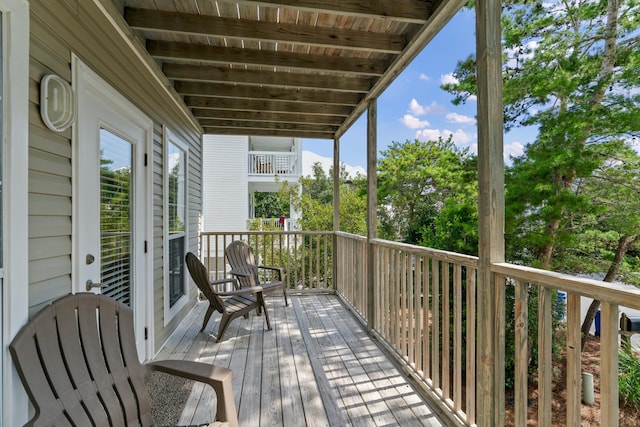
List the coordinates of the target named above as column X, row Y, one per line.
column 571, row 69
column 427, row 194
column 316, row 202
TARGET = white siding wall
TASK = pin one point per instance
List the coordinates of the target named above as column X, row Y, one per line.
column 225, row 187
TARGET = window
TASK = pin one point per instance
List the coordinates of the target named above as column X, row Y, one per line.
column 176, row 222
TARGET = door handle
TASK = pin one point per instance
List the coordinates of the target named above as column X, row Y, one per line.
column 91, row 284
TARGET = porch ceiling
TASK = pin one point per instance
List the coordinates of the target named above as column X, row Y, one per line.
column 301, row 68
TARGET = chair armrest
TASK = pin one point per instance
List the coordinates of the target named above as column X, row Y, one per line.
column 241, row 291
column 225, row 280
column 280, row 270
column 239, row 273
column 216, row 376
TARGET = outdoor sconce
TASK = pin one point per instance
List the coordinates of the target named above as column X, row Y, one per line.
column 57, row 103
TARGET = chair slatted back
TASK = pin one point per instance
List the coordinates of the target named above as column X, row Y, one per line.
column 199, row 274
column 241, row 259
column 78, row 362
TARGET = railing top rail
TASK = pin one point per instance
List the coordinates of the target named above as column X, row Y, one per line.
column 273, row 152
column 257, row 232
column 466, row 260
column 351, row 236
column 613, row 293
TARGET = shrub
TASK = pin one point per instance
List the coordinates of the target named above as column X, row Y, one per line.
column 629, row 378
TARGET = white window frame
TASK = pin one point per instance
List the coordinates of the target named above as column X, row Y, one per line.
column 15, row 297
column 170, row 137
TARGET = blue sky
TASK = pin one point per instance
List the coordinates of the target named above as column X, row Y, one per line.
column 414, row 105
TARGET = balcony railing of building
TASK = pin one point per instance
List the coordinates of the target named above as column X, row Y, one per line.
column 421, row 304
column 284, row 224
column 273, row 163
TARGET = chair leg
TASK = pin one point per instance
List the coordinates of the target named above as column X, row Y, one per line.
column 224, row 324
column 286, row 302
column 266, row 313
column 207, row 316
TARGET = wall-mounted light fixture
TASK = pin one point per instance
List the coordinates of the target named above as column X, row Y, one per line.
column 57, row 103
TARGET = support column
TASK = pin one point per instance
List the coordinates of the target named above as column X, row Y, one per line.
column 490, row 350
column 372, row 204
column 336, row 184
column 336, row 208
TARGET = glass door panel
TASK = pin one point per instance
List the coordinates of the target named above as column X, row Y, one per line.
column 116, row 213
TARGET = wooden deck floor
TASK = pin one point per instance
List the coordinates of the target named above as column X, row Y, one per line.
column 317, row 367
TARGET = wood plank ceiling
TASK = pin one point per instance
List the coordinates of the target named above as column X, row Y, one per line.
column 302, row 68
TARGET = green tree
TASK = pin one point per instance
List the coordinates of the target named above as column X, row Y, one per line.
column 271, row 205
column 424, row 187
column 571, row 69
column 613, row 228
column 316, row 202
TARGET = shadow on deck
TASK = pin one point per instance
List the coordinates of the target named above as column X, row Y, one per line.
column 317, row 367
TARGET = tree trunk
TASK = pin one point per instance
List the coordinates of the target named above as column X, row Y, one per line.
column 547, row 250
column 623, row 245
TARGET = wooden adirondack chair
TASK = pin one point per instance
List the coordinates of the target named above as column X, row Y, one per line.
column 77, row 359
column 244, row 268
column 240, row 302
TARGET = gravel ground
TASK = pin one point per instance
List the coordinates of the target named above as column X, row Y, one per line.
column 169, row 394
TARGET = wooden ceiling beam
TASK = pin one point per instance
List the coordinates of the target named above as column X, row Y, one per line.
column 224, row 123
column 267, row 105
column 212, row 74
column 229, row 55
column 267, row 132
column 213, row 26
column 274, row 94
column 267, row 116
column 414, row 11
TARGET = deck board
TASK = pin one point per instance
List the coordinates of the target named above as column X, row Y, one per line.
column 316, row 367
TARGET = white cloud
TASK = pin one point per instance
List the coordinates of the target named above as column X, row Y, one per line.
column 418, row 109
column 413, row 122
column 459, row 137
column 309, row 158
column 424, row 77
column 461, row 119
column 514, row 149
column 448, row 79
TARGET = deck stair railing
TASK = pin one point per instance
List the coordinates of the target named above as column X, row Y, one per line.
column 424, row 312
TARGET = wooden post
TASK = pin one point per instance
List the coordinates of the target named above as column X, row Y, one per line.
column 490, row 356
column 609, row 365
column 372, row 204
column 336, row 209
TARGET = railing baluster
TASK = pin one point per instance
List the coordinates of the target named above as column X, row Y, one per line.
column 403, row 303
column 521, row 352
column 574, row 354
column 435, row 323
column 446, row 332
column 457, row 337
column 426, row 310
column 417, row 319
column 471, row 347
column 545, row 357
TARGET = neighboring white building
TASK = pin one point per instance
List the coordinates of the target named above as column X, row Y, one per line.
column 228, row 199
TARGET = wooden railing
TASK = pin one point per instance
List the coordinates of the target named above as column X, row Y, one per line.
column 424, row 308
column 545, row 282
column 306, row 256
column 424, row 312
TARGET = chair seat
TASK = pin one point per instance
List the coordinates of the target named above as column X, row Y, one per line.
column 244, row 268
